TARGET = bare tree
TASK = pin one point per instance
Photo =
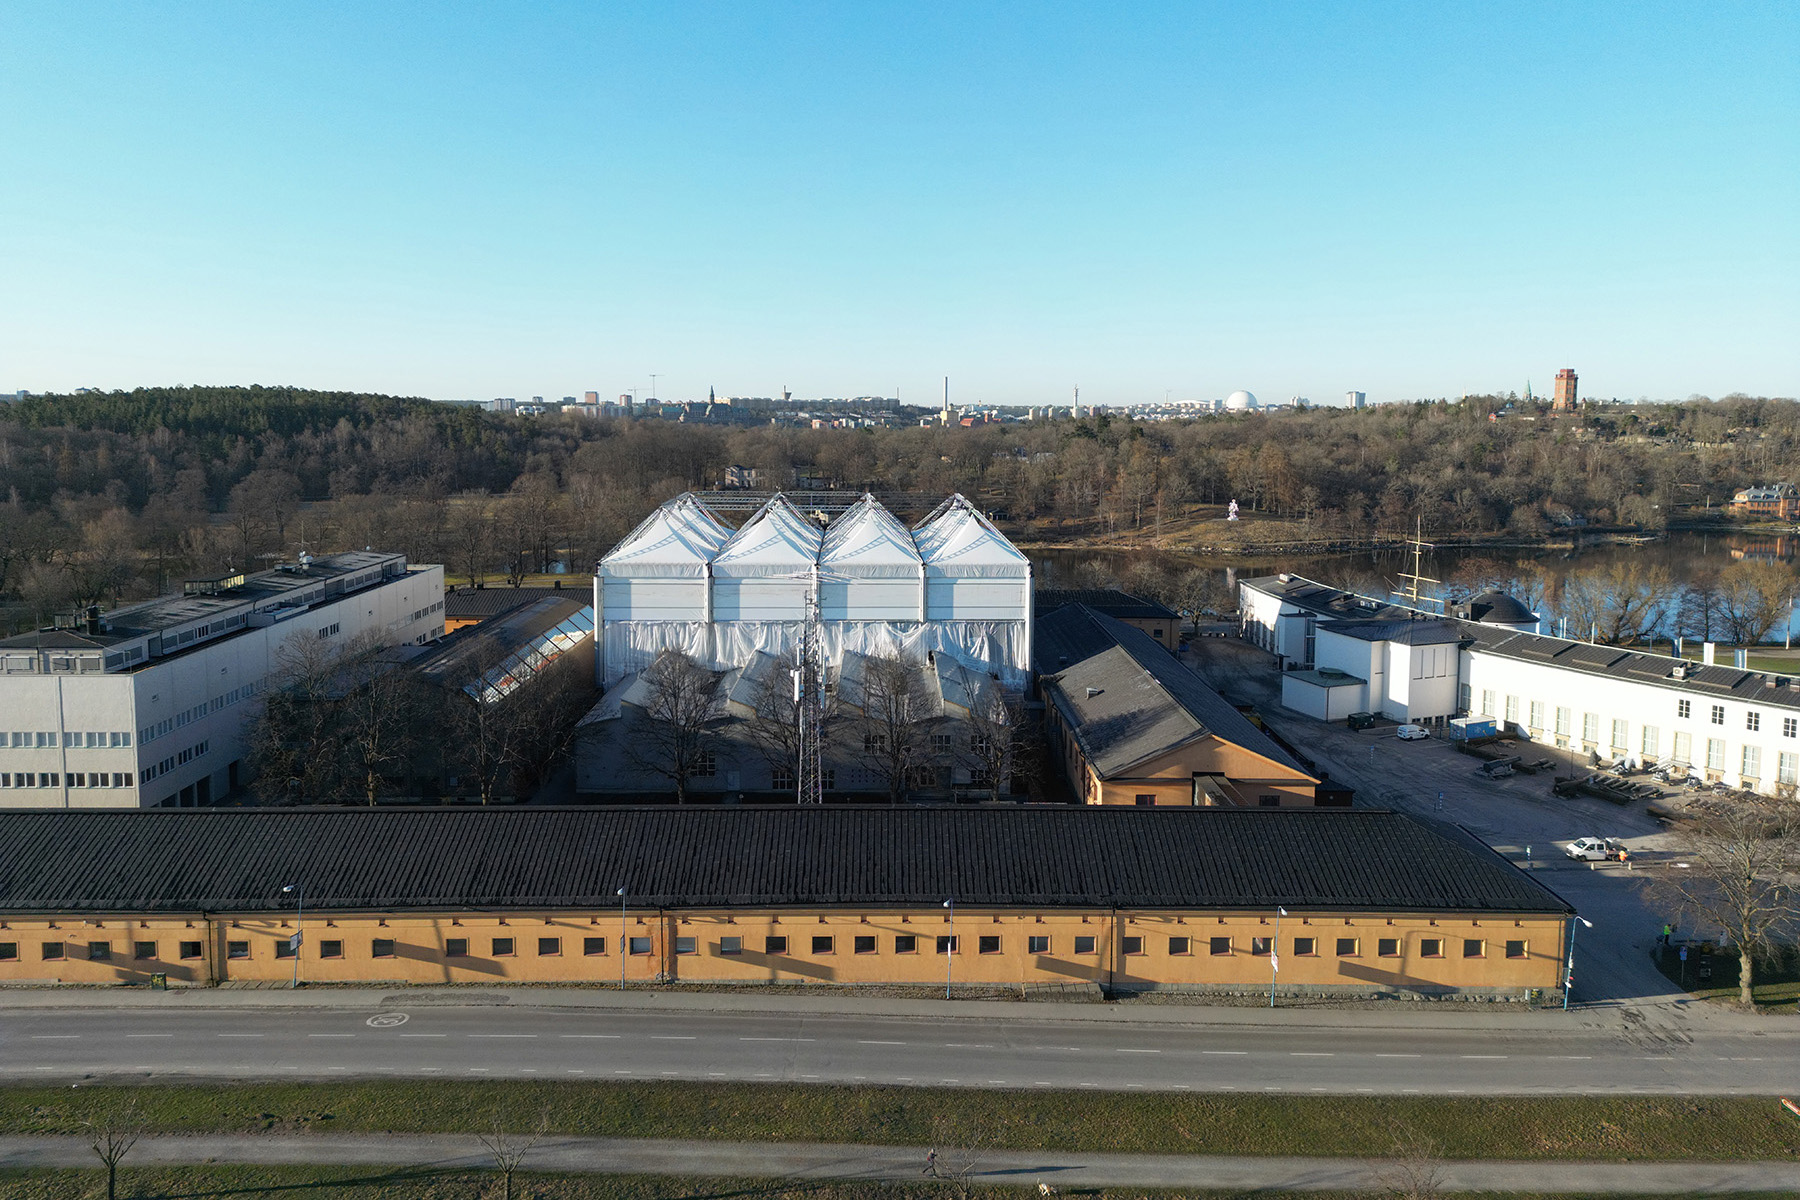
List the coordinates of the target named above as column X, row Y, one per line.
column 995, row 719
column 957, row 1153
column 775, row 729
column 1414, row 1173
column 508, row 740
column 1736, row 872
column 469, row 536
column 898, row 714
column 1623, row 601
column 1753, row 598
column 508, row 1149
column 293, row 737
column 112, row 1136
column 378, row 709
column 677, row 736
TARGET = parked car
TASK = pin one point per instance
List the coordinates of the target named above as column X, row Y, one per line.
column 1412, row 733
column 1589, row 849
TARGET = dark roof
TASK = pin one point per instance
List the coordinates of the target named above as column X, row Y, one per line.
column 478, row 604
column 1498, row 608
column 1110, row 601
column 1408, row 633
column 1148, row 702
column 1326, row 600
column 235, row 860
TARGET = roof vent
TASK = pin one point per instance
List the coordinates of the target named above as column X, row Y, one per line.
column 1285, row 577
column 1092, row 692
column 1680, row 671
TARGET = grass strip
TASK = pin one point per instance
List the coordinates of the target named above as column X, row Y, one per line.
column 1499, row 1127
column 377, row 1183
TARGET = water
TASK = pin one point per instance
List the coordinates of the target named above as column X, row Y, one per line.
column 1532, row 573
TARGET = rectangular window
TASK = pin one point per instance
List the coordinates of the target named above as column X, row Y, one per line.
column 1562, row 720
column 987, row 944
column 1431, row 947
column 1512, row 710
column 242, row 950
column 1260, row 945
column 641, row 945
column 706, row 764
column 1474, row 948
column 864, row 943
column 1487, row 702
column 1084, row 944
column 1590, row 727
column 822, row 945
column 1219, row 945
column 9, row 951
column 503, row 947
column 1718, row 714
column 1753, row 721
column 1752, row 762
column 331, row 949
column 1037, row 943
column 1268, row 800
column 54, row 951
column 456, row 947
column 775, row 945
column 381, row 948
column 1515, row 949
column 143, row 951
column 1684, row 748
column 1790, row 726
column 686, row 945
column 906, row 943
column 782, row 779
column 1347, row 948
column 1650, row 741
column 1621, row 729
column 730, row 947
column 1537, row 714
column 1145, row 800
column 1387, row 947
column 1306, row 947
column 1132, row 945
column 947, row 944
column 549, row 947
column 1684, row 709
column 284, row 948
column 99, row 951
column 1715, row 754
column 1179, row 945
column 1787, row 767
column 591, row 946
column 190, row 950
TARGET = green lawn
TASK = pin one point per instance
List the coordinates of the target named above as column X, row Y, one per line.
column 375, row 1183
column 1777, row 986
column 1571, row 1127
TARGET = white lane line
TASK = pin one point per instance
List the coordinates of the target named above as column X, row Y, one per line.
column 501, row 1035
column 1231, row 1052
column 1399, row 1056
column 1134, row 1085
column 863, row 1042
column 575, row 1071
column 1130, row 1051
column 1483, row 1056
column 672, row 1037
column 593, row 1036
column 55, row 1037
column 1572, row 1057
column 999, row 1081
column 776, row 1039
column 145, row 1035
column 246, row 1035
column 331, row 1035
column 968, row 1045
column 431, row 1069
column 715, row 1074
column 1312, row 1054
column 424, row 1035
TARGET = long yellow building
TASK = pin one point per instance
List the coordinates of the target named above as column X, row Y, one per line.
column 1345, row 902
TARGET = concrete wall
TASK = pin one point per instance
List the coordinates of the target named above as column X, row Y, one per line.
column 691, row 947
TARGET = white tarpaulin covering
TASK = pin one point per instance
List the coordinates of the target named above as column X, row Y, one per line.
column 764, row 573
column 972, row 572
column 660, row 569
column 869, row 569
column 629, row 646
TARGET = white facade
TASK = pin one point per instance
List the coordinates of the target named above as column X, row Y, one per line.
column 78, row 730
column 683, row 580
column 1404, row 681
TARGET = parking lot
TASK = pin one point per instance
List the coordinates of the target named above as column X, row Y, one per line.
column 1518, row 817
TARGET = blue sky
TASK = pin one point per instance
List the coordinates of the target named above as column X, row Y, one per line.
column 517, row 199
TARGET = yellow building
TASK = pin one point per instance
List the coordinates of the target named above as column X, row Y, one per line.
column 1351, row 901
column 1133, row 725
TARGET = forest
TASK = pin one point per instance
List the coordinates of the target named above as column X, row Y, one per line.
column 109, row 497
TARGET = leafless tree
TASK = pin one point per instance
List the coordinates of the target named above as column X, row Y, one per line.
column 958, row 1150
column 1753, row 598
column 509, row 1149
column 897, row 716
column 112, row 1136
column 775, row 729
column 378, row 709
column 469, row 536
column 501, row 740
column 990, row 751
column 1623, row 601
column 1735, row 871
column 293, row 741
column 677, row 734
column 1414, row 1173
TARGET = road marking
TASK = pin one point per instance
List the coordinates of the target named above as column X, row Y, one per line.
column 145, row 1035
column 863, row 1042
column 337, row 1068
column 238, row 1035
column 1000, row 1081
column 1043, row 1083
column 1130, row 1051
column 55, row 1037
column 1399, row 1056
column 479, row 1070
column 431, row 1069
column 776, row 1039
column 1181, row 1087
column 672, row 1037
column 575, row 1071
column 424, row 1035
column 1312, row 1054
column 1483, row 1056
column 968, row 1046
column 1134, row 1085
column 715, row 1074
column 331, row 1035
column 613, row 1036
column 1237, row 1052
column 501, row 1035
column 1572, row 1057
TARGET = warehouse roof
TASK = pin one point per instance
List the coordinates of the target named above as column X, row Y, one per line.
column 1110, row 601
column 1636, row 666
column 235, row 860
column 478, row 604
column 1406, row 632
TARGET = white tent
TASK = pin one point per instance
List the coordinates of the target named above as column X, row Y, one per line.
column 972, row 572
column 659, row 572
column 869, row 568
column 765, row 571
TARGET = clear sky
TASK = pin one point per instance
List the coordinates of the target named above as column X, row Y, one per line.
column 470, row 200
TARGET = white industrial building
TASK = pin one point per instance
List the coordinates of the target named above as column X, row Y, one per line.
column 148, row 704
column 684, row 580
column 1605, row 703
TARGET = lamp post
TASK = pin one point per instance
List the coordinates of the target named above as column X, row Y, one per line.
column 1569, row 972
column 299, row 891
column 624, row 943
column 950, row 947
column 1275, row 953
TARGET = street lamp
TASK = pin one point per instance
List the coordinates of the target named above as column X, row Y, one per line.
column 1275, row 953
column 624, row 944
column 299, row 891
column 1569, row 972
column 950, row 947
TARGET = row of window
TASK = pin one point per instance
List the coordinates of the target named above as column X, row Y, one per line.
column 71, row 740
column 236, row 695
column 822, row 944
column 76, row 779
column 1717, row 756
column 330, row 630
column 175, row 760
column 421, row 613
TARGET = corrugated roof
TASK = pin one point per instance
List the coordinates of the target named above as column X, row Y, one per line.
column 478, row 604
column 224, row 860
column 1109, row 601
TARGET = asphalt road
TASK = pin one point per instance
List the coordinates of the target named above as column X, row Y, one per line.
column 444, row 1041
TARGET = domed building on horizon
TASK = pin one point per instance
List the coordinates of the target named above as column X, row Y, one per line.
column 1240, row 401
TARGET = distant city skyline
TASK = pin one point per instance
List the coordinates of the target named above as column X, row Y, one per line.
column 1406, row 201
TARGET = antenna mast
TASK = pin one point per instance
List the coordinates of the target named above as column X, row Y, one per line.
column 809, row 696
column 1419, row 547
